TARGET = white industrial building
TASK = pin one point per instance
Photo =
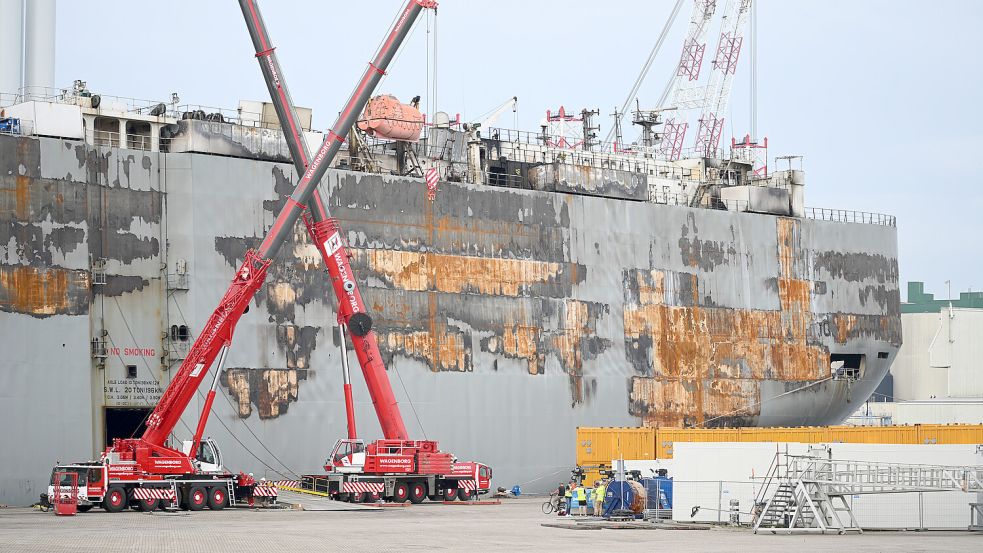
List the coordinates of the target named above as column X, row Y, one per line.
column 937, row 377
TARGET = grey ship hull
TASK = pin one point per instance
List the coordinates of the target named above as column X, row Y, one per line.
column 507, row 317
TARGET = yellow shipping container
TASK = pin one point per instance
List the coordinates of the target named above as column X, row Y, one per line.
column 600, row 445
column 596, row 446
column 873, row 435
column 665, row 437
column 807, row 434
column 950, row 434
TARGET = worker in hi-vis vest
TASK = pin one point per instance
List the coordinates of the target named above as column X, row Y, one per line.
column 581, row 497
column 568, row 497
column 599, row 490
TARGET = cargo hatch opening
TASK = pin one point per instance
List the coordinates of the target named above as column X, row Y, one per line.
column 125, row 422
column 847, row 366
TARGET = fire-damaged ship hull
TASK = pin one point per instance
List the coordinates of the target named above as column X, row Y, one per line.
column 507, row 317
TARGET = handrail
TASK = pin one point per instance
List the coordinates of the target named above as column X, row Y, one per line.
column 850, row 216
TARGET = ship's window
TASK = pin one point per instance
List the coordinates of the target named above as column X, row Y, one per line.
column 138, row 135
column 105, row 132
column 182, row 333
column 131, row 371
column 882, row 355
column 173, row 333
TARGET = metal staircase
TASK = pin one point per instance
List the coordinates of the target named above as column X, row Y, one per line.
column 808, row 493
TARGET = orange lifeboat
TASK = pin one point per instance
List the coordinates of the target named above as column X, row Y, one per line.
column 387, row 117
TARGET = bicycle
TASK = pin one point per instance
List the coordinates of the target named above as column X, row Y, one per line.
column 552, row 504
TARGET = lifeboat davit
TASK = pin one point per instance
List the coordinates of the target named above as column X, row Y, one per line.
column 387, row 117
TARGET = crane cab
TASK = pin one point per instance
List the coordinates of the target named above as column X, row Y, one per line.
column 208, row 458
column 347, row 456
column 91, row 483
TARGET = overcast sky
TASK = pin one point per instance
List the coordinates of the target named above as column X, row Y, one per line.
column 881, row 97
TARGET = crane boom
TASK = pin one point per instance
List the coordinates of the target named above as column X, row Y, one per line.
column 488, row 121
column 349, row 300
column 219, row 328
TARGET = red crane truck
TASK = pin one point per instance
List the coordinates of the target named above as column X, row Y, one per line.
column 395, row 468
column 146, row 472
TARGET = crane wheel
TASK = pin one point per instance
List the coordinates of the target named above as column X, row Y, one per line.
column 197, row 498
column 401, row 492
column 463, row 494
column 218, row 498
column 418, row 492
column 115, row 499
column 147, row 505
column 449, row 494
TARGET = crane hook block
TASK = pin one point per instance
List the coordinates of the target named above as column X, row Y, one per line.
column 360, row 324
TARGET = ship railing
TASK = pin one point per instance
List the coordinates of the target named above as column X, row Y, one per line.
column 850, row 216
column 66, row 96
column 507, row 180
column 131, row 141
column 223, row 115
column 8, row 99
column 702, row 202
column 567, row 143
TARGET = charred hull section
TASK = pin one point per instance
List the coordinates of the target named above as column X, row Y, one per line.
column 507, row 317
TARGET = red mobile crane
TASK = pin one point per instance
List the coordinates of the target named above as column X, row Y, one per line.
column 146, row 472
column 396, row 467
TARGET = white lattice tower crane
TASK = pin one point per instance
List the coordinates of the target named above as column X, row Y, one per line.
column 680, row 92
column 711, row 122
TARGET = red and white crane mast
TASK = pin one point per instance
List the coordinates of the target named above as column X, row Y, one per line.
column 722, row 76
column 680, row 96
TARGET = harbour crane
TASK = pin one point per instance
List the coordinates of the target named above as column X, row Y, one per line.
column 395, row 467
column 146, row 471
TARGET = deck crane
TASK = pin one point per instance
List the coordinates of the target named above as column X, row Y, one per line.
column 722, row 76
column 494, row 114
column 679, row 96
column 146, row 471
column 393, row 468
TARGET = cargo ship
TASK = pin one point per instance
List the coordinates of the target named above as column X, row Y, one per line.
column 543, row 281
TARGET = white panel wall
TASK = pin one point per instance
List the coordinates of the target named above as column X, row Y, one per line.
column 942, row 356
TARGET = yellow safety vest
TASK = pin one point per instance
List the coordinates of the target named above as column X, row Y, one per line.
column 599, row 493
column 581, row 494
column 568, row 493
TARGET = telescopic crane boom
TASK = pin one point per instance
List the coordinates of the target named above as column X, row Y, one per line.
column 218, row 330
column 146, row 471
column 320, row 225
column 396, row 469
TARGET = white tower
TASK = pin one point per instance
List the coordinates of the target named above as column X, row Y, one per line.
column 11, row 45
column 39, row 45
